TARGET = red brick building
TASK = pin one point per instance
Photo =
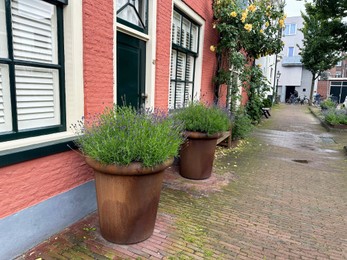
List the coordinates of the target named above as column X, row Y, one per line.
column 334, row 82
column 61, row 60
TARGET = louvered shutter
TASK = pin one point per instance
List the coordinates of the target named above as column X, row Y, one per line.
column 37, row 91
column 5, row 105
column 3, row 33
column 34, row 39
column 34, row 31
column 185, row 35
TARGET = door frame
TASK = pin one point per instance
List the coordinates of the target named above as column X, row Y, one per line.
column 150, row 40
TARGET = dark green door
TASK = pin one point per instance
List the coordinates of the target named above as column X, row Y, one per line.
column 131, row 56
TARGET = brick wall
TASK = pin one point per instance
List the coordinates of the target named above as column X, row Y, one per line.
column 323, row 88
column 97, row 55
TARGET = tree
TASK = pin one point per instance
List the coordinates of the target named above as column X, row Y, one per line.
column 320, row 50
column 333, row 12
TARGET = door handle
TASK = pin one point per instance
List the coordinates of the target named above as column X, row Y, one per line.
column 144, row 96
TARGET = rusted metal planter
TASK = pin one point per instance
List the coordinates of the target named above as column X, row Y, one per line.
column 128, row 198
column 197, row 155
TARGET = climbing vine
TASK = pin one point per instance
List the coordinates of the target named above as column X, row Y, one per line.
column 246, row 32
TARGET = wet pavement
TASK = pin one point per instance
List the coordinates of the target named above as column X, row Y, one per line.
column 282, row 194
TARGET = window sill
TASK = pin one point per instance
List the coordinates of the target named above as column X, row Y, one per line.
column 17, row 151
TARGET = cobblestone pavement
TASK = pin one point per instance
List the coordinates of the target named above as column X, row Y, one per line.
column 282, row 194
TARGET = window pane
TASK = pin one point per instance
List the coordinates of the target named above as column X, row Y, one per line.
column 173, row 64
column 195, row 38
column 34, row 31
column 37, row 91
column 176, row 28
column 286, row 30
column 185, row 41
column 172, row 95
column 188, row 94
column 292, row 29
column 290, row 51
column 5, row 105
column 3, row 33
column 181, row 66
column 190, row 68
column 132, row 11
column 179, row 94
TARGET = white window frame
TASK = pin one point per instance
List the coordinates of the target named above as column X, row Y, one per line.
column 289, row 25
column 289, row 48
column 73, row 47
column 150, row 39
column 184, row 8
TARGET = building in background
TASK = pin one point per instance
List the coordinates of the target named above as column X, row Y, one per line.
column 293, row 76
column 333, row 83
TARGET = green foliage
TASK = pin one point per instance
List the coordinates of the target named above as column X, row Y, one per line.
column 198, row 117
column 336, row 116
column 267, row 103
column 242, row 125
column 246, row 33
column 120, row 136
column 327, row 104
column 321, row 49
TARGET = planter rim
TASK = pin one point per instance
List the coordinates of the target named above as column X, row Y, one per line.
column 200, row 135
column 134, row 168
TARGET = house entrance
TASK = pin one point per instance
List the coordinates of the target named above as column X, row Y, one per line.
column 131, row 57
column 289, row 91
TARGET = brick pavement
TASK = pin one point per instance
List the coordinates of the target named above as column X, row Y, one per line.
column 259, row 204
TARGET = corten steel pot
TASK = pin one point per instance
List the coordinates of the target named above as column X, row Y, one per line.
column 197, row 155
column 128, row 198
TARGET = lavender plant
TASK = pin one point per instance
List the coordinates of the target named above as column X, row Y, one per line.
column 120, row 136
column 198, row 117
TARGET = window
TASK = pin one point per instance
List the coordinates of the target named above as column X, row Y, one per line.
column 290, row 29
column 133, row 13
column 185, row 42
column 339, row 63
column 32, row 95
column 290, row 51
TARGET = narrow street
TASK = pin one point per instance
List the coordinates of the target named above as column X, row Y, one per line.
column 281, row 195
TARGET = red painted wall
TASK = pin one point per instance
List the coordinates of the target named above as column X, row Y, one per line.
column 97, row 55
column 28, row 183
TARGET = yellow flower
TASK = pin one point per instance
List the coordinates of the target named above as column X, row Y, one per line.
column 248, row 27
column 261, row 31
column 212, row 48
column 233, row 14
column 268, row 7
column 244, row 16
column 252, row 8
column 259, row 65
column 284, row 16
column 281, row 23
column 267, row 24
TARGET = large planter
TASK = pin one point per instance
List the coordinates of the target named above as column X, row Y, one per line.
column 197, row 155
column 128, row 198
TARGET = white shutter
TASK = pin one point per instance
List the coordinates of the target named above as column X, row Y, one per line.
column 172, row 77
column 176, row 28
column 5, row 105
column 34, row 31
column 194, row 38
column 186, row 43
column 37, row 91
column 3, row 33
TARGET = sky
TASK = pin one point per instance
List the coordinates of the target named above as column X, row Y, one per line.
column 293, row 7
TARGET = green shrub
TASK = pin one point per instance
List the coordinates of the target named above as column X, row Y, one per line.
column 336, row 116
column 120, row 136
column 267, row 103
column 242, row 125
column 198, row 117
column 327, row 104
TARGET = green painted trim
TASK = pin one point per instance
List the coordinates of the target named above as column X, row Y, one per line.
column 30, row 153
column 58, row 2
